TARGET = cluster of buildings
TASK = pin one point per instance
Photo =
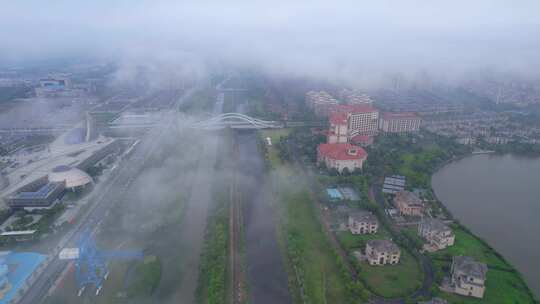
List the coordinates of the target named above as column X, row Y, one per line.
column 377, row 252
column 353, row 124
column 61, row 86
column 354, row 97
column 45, row 191
column 491, row 127
column 320, row 102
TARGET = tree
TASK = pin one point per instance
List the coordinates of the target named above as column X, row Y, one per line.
column 333, row 172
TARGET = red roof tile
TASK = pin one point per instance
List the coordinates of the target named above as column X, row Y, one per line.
column 340, row 151
column 338, row 118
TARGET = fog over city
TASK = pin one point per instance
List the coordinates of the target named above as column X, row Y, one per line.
column 266, row 152
column 358, row 42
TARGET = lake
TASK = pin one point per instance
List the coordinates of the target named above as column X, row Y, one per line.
column 498, row 198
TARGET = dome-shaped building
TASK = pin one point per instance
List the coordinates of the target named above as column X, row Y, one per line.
column 72, row 177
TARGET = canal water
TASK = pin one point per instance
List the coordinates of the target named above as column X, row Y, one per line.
column 498, row 198
column 267, row 279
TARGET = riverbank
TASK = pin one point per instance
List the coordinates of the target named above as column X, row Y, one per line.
column 316, row 272
column 470, row 184
column 505, row 283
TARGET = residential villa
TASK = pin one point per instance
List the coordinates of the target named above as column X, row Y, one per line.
column 341, row 156
column 382, row 252
column 363, row 222
column 408, row 203
column 437, row 234
column 468, row 277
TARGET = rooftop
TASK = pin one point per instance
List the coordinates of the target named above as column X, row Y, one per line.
column 16, row 233
column 470, row 267
column 338, row 118
column 354, row 108
column 409, row 198
column 400, row 115
column 383, row 246
column 344, row 151
column 363, row 216
column 61, row 168
column 435, row 225
column 43, row 192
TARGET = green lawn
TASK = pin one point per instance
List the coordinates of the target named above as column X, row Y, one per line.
column 504, row 284
column 417, row 167
column 311, row 252
column 392, row 281
column 351, row 241
column 273, row 153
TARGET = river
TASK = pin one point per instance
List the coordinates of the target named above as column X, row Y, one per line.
column 498, row 198
column 265, row 268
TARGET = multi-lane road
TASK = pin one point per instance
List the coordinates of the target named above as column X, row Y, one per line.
column 104, row 196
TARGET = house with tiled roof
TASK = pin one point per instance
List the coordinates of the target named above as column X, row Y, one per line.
column 341, row 156
column 363, row 222
column 382, row 252
column 437, row 234
column 408, row 203
column 468, row 277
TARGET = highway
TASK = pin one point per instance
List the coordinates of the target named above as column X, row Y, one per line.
column 104, row 195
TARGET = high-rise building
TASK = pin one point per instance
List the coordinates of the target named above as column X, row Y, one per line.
column 320, row 102
column 362, row 119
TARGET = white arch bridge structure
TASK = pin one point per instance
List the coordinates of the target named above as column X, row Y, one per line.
column 234, row 121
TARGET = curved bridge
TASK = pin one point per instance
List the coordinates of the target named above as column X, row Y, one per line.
column 235, row 121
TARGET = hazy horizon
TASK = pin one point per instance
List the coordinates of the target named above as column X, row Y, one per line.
column 345, row 41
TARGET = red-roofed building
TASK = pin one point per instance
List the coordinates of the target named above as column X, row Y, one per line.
column 404, row 122
column 338, row 132
column 340, row 156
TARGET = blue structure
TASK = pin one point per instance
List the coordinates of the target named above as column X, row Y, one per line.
column 334, row 194
column 91, row 265
column 15, row 268
column 36, row 195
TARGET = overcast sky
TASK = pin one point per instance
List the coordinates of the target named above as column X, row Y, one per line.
column 338, row 39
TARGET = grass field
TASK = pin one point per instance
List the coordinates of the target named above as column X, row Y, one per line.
column 387, row 281
column 504, row 284
column 301, row 234
column 310, row 250
column 417, row 167
column 351, row 241
column 393, row 281
column 272, row 151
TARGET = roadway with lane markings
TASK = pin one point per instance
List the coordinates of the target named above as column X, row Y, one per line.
column 113, row 190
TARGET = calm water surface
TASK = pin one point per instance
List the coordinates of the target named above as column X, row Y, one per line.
column 498, row 198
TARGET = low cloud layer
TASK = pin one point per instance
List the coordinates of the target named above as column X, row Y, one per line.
column 350, row 41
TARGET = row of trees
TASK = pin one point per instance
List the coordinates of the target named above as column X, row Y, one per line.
column 211, row 288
